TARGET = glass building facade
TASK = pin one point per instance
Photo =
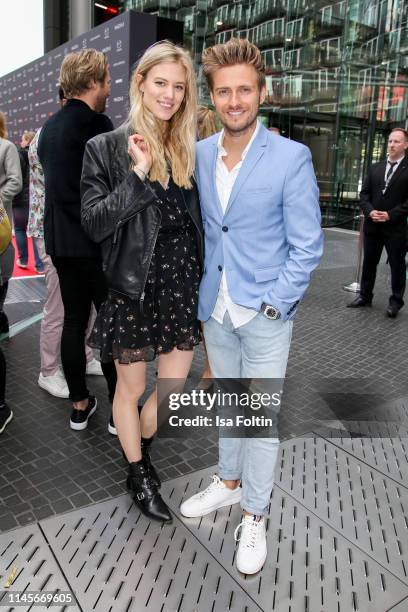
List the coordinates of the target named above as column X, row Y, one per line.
column 337, row 75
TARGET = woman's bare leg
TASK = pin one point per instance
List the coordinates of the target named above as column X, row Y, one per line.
column 206, row 376
column 129, row 388
column 175, row 364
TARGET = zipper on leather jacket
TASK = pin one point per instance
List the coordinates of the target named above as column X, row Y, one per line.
column 194, row 223
column 142, row 296
column 115, row 235
column 126, row 219
column 115, row 239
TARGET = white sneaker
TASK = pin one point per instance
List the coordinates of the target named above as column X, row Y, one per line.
column 216, row 495
column 93, row 368
column 55, row 385
column 252, row 551
column 111, row 426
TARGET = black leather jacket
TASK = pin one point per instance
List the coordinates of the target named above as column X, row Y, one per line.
column 122, row 213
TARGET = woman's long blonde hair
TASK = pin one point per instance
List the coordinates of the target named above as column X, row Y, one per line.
column 172, row 147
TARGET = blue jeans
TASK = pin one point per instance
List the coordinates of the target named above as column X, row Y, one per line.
column 258, row 349
column 20, row 218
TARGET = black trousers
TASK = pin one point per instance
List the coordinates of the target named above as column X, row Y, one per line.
column 3, row 294
column 373, row 247
column 82, row 283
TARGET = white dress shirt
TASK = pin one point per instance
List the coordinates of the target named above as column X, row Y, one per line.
column 225, row 180
column 395, row 168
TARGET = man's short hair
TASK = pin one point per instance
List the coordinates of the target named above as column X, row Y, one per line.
column 400, row 129
column 81, row 67
column 235, row 51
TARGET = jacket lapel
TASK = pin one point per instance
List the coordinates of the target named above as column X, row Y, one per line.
column 401, row 167
column 213, row 161
column 254, row 154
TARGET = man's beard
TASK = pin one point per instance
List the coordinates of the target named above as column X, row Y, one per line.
column 251, row 120
column 101, row 105
column 242, row 129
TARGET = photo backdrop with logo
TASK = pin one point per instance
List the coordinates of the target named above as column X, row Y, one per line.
column 29, row 95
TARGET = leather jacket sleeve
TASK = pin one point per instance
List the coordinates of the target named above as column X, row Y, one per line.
column 102, row 208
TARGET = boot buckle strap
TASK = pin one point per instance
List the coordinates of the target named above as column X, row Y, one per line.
column 140, row 496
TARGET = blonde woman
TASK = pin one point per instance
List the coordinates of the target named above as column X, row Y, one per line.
column 139, row 201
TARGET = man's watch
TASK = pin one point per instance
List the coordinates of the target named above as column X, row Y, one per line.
column 270, row 312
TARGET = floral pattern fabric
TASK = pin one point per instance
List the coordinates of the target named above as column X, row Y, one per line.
column 35, row 227
column 128, row 332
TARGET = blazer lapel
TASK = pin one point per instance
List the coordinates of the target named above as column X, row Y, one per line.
column 214, row 177
column 255, row 152
column 401, row 167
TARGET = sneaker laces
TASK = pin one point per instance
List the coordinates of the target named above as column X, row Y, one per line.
column 215, row 484
column 250, row 531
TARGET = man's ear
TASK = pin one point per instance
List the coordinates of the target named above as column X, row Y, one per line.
column 262, row 95
column 212, row 97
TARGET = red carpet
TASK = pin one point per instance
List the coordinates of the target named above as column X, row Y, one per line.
column 30, row 270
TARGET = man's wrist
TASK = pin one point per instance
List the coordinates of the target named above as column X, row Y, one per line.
column 270, row 312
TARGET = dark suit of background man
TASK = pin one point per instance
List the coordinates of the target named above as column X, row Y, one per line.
column 85, row 79
column 384, row 201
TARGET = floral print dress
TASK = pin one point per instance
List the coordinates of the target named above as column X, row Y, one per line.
column 168, row 319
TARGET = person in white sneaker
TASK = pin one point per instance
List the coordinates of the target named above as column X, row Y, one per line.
column 51, row 377
column 261, row 216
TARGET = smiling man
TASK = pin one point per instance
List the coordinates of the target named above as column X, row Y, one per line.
column 261, row 216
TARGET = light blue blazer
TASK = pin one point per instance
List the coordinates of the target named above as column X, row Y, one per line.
column 269, row 240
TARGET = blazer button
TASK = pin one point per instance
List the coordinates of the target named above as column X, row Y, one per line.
column 220, row 268
column 224, row 228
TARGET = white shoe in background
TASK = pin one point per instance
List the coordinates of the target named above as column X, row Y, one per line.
column 93, row 368
column 55, row 385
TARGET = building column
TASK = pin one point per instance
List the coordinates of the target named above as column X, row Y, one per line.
column 55, row 23
column 80, row 15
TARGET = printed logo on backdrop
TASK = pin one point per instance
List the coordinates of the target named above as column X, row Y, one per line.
column 44, row 87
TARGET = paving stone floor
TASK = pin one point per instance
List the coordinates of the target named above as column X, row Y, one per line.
column 335, row 352
column 346, row 381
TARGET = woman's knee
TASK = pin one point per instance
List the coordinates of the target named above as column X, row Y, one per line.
column 129, row 391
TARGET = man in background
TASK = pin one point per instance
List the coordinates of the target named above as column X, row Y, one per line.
column 85, row 80
column 384, row 201
column 51, row 377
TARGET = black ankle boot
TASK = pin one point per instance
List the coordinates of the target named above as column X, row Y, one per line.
column 145, row 445
column 146, row 494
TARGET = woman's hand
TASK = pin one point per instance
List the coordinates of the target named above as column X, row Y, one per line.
column 139, row 154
